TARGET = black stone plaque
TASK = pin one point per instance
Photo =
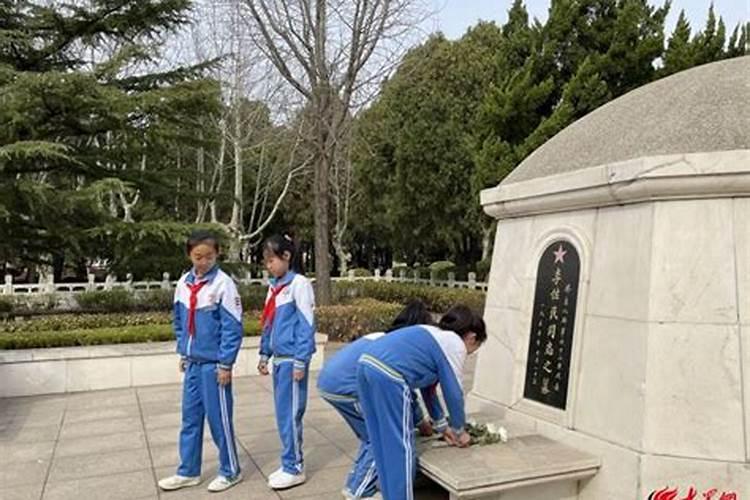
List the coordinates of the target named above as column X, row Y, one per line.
column 552, row 325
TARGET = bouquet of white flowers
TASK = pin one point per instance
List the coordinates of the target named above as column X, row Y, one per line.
column 482, row 434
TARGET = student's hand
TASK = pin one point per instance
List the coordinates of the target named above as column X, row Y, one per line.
column 298, row 375
column 224, row 376
column 464, row 439
column 263, row 367
column 425, row 428
column 182, row 365
column 450, row 437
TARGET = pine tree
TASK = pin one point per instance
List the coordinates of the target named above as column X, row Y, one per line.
column 709, row 44
column 679, row 54
column 78, row 113
column 737, row 45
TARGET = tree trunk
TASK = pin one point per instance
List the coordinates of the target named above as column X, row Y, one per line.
column 322, row 231
column 234, row 252
column 236, row 222
column 200, row 182
column 341, row 254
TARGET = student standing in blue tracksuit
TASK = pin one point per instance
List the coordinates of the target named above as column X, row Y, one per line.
column 337, row 384
column 208, row 327
column 289, row 339
column 390, row 368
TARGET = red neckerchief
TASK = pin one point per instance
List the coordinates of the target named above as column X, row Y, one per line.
column 194, row 289
column 269, row 309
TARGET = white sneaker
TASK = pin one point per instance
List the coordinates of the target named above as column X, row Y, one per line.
column 284, row 480
column 275, row 473
column 176, row 482
column 222, row 483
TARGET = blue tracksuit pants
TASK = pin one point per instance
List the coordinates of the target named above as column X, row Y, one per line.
column 290, row 399
column 386, row 403
column 362, row 480
column 203, row 397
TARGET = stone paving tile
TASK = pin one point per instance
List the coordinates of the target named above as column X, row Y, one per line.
column 24, row 473
column 65, row 468
column 101, row 444
column 73, row 415
column 26, row 492
column 115, row 444
column 72, row 430
column 161, row 407
column 19, row 453
column 102, row 399
column 18, row 431
column 254, row 425
column 127, row 486
column 162, row 420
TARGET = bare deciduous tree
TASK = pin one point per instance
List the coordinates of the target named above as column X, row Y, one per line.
column 248, row 87
column 334, row 53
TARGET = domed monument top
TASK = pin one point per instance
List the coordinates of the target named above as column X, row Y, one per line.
column 702, row 109
column 684, row 136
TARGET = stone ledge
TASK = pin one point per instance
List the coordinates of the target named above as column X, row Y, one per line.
column 27, row 372
column 670, row 177
column 522, row 462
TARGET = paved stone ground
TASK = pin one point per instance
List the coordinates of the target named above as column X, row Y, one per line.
column 115, row 444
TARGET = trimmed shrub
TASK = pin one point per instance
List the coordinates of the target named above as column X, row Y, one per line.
column 253, row 297
column 98, row 336
column 60, row 322
column 348, row 322
column 437, row 299
column 117, row 300
column 6, row 306
column 155, row 300
column 361, row 272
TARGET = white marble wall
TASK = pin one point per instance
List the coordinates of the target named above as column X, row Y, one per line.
column 660, row 368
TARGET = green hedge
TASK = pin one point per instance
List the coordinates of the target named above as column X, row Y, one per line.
column 253, row 297
column 361, row 272
column 60, row 322
column 98, row 336
column 348, row 322
column 6, row 306
column 437, row 299
column 340, row 322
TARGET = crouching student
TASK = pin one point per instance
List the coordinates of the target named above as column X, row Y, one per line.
column 389, row 370
column 337, row 384
column 208, row 327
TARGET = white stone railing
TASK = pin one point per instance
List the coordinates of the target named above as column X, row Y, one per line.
column 403, row 277
column 48, row 286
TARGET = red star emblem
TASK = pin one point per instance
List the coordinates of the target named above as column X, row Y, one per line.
column 560, row 254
